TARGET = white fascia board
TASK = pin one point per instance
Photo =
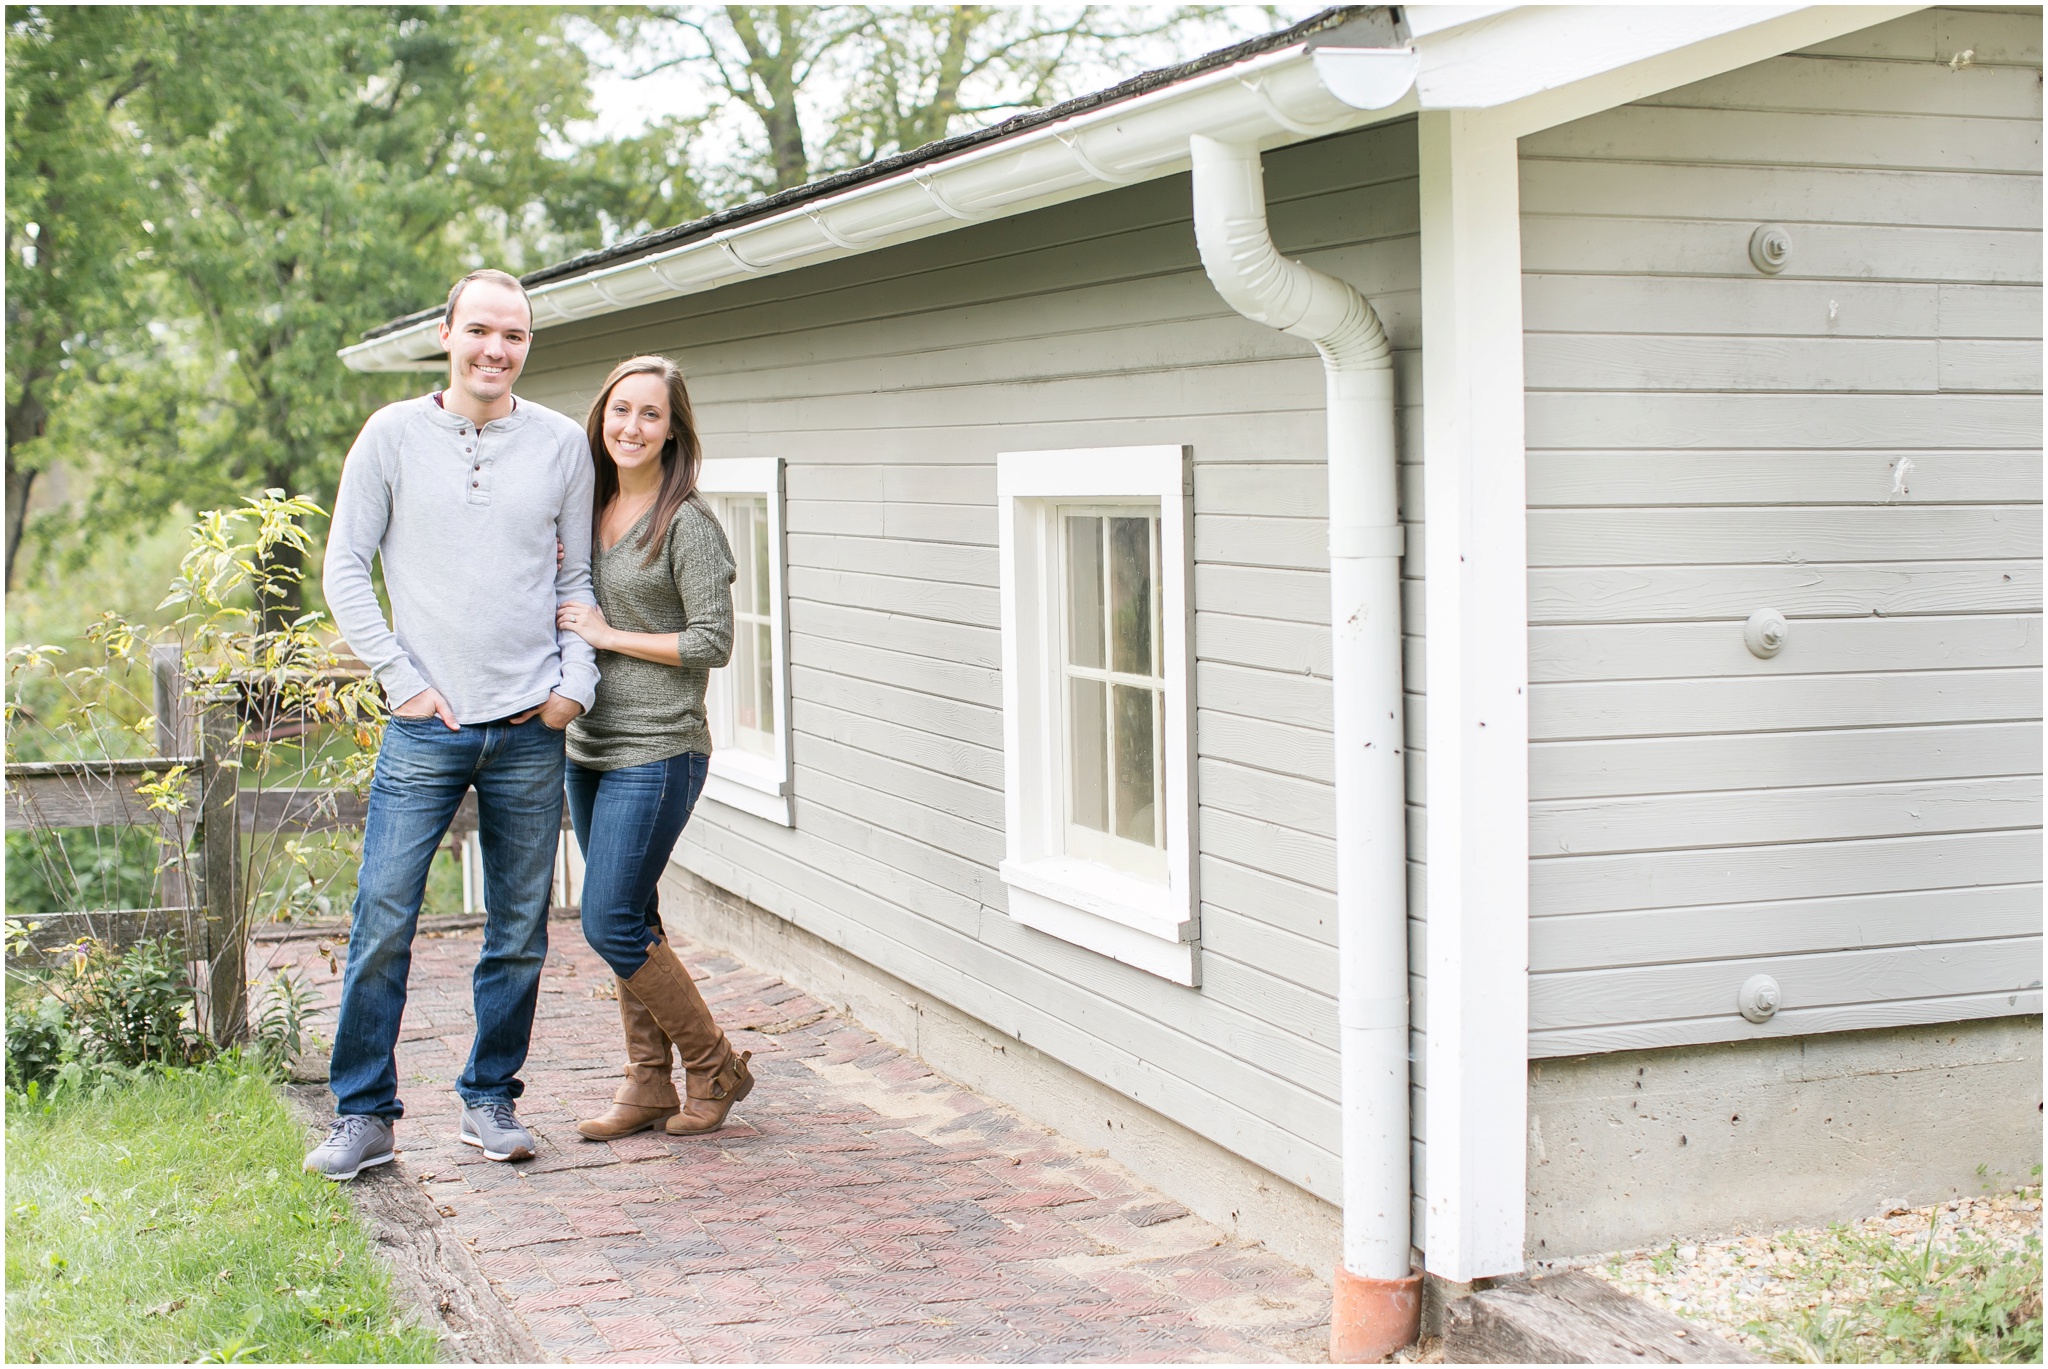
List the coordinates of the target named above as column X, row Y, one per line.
column 1270, row 100
column 1545, row 65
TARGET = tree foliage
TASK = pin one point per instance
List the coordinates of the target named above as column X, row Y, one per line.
column 827, row 87
column 73, row 211
column 287, row 178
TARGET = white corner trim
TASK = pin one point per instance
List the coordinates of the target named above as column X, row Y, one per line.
column 1477, row 730
column 1150, row 926
column 746, row 798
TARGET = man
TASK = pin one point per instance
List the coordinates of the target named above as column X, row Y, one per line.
column 464, row 493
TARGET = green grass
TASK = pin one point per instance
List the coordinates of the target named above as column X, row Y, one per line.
column 1961, row 1301
column 169, row 1220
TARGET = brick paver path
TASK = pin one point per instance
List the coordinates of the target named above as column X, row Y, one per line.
column 856, row 1208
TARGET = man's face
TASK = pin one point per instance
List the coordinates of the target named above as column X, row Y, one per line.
column 487, row 340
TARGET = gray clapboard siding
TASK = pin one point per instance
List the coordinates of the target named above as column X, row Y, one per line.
column 1593, row 246
column 1664, row 936
column 1647, row 133
column 1293, row 648
column 1762, row 816
column 1795, row 195
column 1679, row 421
column 1671, row 765
column 1665, row 593
column 1297, row 752
column 1816, row 646
column 1672, row 708
column 1644, row 992
column 961, row 524
column 1269, row 899
column 1759, row 306
column 1623, row 361
column 895, row 557
column 1905, row 1012
column 1819, row 869
column 887, row 384
column 1623, row 479
column 979, row 764
column 1828, row 85
column 1854, row 443
column 1299, row 700
column 1987, row 364
column 958, row 644
column 946, row 792
column 931, row 713
column 1990, row 311
column 1619, row 536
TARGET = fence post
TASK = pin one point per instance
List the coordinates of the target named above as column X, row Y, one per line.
column 220, row 866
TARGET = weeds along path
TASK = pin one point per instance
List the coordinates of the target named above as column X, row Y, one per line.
column 856, row 1207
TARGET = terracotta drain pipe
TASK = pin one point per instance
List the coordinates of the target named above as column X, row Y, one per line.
column 1378, row 1297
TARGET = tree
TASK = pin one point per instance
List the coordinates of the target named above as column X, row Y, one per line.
column 73, row 217
column 832, row 86
column 294, row 176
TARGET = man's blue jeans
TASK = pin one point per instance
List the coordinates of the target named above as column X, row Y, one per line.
column 422, row 773
column 627, row 822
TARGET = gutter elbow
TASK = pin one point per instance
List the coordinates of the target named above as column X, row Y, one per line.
column 1256, row 280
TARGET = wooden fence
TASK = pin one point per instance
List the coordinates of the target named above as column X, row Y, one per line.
column 210, row 922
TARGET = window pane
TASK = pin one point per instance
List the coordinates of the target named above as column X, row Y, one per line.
column 758, row 512
column 1134, row 751
column 1090, row 779
column 764, row 677
column 739, row 531
column 1130, row 561
column 1084, row 592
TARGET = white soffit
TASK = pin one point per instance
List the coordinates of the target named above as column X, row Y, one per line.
column 1538, row 65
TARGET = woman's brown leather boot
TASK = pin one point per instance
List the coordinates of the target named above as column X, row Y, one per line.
column 718, row 1077
column 712, row 1095
column 648, row 1096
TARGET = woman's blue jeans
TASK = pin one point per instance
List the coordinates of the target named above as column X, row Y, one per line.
column 627, row 822
column 423, row 770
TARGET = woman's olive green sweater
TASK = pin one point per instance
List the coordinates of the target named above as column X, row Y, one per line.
column 647, row 712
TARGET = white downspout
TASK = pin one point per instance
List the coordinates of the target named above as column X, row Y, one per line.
column 1377, row 1297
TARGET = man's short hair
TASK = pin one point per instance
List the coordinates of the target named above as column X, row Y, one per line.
column 495, row 277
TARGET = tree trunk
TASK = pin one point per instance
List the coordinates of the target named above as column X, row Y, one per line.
column 25, row 422
column 288, row 564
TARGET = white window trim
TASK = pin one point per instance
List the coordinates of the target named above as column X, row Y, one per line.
column 757, row 784
column 1145, row 925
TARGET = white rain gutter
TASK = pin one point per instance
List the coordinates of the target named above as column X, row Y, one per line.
column 1265, row 101
column 1377, row 1297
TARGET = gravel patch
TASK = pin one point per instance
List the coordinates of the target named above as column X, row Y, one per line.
column 1837, row 1293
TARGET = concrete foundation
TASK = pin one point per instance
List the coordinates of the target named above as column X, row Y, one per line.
column 1249, row 1202
column 1639, row 1148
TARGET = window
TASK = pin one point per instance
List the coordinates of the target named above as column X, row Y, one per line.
column 1097, row 716
column 747, row 704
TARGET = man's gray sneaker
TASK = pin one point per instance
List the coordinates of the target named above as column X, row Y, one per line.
column 353, row 1144
column 495, row 1129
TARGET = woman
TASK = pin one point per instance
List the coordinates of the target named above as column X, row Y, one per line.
column 637, row 760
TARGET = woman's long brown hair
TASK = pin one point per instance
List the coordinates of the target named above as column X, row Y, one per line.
column 681, row 455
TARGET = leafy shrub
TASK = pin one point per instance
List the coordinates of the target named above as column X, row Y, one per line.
column 102, row 1012
column 40, row 1040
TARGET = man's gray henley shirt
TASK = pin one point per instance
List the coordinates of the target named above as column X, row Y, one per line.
column 466, row 521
